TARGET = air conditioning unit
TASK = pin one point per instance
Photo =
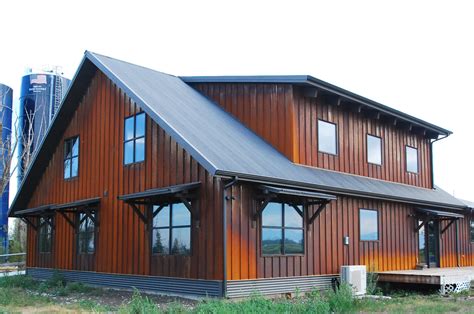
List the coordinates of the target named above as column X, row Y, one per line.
column 356, row 277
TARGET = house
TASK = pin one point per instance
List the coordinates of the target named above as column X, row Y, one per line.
column 220, row 186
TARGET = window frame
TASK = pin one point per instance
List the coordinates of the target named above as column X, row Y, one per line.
column 471, row 229
column 78, row 233
column 378, row 225
column 282, row 228
column 417, row 160
column 381, row 150
column 170, row 228
column 65, row 158
column 41, row 234
column 134, row 139
column 336, row 141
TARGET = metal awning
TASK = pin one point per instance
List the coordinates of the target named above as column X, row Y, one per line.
column 438, row 214
column 163, row 196
column 159, row 192
column 76, row 204
column 298, row 193
column 36, row 211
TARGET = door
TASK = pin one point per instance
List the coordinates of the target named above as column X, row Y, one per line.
column 428, row 244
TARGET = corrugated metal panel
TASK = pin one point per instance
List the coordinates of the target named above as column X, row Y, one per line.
column 218, row 141
column 270, row 286
column 166, row 285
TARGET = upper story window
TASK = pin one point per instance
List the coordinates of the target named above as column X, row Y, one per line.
column 411, row 159
column 282, row 229
column 45, row 234
column 171, row 232
column 327, row 137
column 86, row 233
column 134, row 139
column 71, row 157
column 374, row 149
column 369, row 224
column 472, row 229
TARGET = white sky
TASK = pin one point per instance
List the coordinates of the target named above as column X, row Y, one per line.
column 415, row 56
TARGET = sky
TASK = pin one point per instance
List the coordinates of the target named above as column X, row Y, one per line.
column 415, row 56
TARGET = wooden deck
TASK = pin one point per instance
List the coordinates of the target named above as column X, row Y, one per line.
column 430, row 276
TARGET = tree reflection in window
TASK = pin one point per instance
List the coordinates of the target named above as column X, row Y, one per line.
column 171, row 230
column 282, row 229
column 86, row 234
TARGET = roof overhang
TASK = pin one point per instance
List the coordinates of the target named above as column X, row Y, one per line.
column 313, row 87
column 296, row 193
column 438, row 214
column 154, row 194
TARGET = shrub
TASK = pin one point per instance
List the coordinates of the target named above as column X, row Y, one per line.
column 18, row 281
column 341, row 300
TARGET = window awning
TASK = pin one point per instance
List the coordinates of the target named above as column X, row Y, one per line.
column 36, row 211
column 438, row 214
column 164, row 195
column 76, row 204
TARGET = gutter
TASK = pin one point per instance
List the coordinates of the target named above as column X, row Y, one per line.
column 226, row 198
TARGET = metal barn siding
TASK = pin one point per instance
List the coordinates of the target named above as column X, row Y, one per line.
column 166, row 285
column 281, row 115
column 123, row 243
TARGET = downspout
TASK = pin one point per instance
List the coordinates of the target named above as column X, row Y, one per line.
column 431, row 158
column 225, row 198
column 457, row 243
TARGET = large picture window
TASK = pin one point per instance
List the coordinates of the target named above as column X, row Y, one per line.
column 86, row 233
column 171, row 232
column 374, row 149
column 71, row 157
column 369, row 225
column 282, row 229
column 134, row 139
column 327, row 137
column 411, row 159
column 45, row 234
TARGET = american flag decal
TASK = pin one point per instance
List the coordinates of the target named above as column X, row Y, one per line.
column 40, row 79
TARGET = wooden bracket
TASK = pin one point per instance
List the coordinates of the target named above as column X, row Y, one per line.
column 424, row 222
column 297, row 210
column 193, row 209
column 28, row 222
column 139, row 212
column 261, row 206
column 69, row 221
column 448, row 225
column 317, row 212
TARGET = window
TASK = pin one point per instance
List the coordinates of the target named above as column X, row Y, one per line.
column 412, row 159
column 472, row 229
column 86, row 233
column 374, row 149
column 71, row 157
column 45, row 234
column 282, row 229
column 369, row 226
column 327, row 142
column 134, row 139
column 172, row 230
column 421, row 244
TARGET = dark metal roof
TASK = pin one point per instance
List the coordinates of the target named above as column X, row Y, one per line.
column 160, row 191
column 79, row 203
column 218, row 141
column 438, row 213
column 468, row 203
column 301, row 193
column 308, row 80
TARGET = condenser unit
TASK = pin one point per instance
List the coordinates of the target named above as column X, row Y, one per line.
column 356, row 277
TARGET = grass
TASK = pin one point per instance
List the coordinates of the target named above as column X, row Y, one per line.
column 20, row 292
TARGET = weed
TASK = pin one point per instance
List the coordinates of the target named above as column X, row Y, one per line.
column 341, row 300
column 19, row 281
column 92, row 306
column 139, row 305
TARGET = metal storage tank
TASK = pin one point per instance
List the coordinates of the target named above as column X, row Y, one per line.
column 6, row 100
column 40, row 96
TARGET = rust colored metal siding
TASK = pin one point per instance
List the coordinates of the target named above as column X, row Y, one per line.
column 123, row 244
column 286, row 119
column 396, row 248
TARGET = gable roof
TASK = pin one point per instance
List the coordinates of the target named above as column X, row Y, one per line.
column 217, row 140
column 324, row 87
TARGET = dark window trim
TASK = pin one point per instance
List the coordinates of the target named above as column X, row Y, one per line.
column 170, row 228
column 336, row 138
column 471, row 229
column 94, row 212
column 417, row 160
column 282, row 227
column 41, row 233
column 381, row 150
column 378, row 225
column 134, row 138
column 70, row 139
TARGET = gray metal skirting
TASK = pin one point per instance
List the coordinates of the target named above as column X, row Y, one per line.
column 272, row 286
column 165, row 285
